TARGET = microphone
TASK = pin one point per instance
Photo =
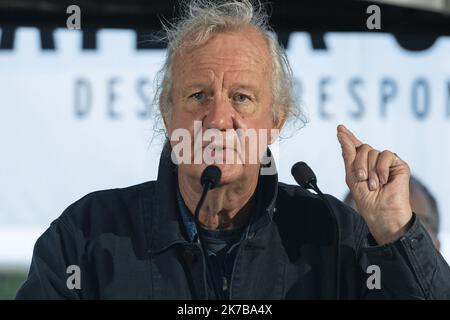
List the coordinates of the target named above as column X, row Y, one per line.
column 306, row 178
column 209, row 179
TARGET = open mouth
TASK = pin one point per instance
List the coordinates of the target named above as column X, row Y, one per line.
column 220, row 153
column 215, row 149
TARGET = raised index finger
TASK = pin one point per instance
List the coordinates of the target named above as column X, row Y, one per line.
column 356, row 142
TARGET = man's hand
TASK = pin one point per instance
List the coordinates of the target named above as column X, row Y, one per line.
column 379, row 183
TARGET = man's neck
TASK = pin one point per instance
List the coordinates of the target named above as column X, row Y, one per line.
column 226, row 207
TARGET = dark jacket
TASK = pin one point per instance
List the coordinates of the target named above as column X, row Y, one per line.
column 128, row 244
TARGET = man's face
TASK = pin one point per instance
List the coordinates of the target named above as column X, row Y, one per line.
column 226, row 84
column 422, row 207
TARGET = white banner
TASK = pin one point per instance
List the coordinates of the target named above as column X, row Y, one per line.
column 73, row 121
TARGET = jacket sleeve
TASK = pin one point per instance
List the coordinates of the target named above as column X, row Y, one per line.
column 53, row 253
column 410, row 268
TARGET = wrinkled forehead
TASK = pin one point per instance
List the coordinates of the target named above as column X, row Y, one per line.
column 244, row 53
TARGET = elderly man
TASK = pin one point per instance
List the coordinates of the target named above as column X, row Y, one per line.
column 260, row 239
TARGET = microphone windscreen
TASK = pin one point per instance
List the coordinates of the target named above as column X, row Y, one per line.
column 303, row 174
column 211, row 175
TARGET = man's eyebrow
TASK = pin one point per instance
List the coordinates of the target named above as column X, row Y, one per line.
column 204, row 85
column 245, row 86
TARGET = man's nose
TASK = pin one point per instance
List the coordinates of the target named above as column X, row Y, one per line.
column 220, row 114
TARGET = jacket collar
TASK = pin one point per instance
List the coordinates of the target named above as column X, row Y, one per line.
column 165, row 229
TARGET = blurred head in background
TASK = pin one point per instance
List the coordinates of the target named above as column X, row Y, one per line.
column 423, row 204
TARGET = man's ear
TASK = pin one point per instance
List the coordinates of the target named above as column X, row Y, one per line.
column 276, row 128
column 166, row 125
column 164, row 115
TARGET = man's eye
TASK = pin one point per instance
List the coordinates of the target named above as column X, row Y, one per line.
column 198, row 95
column 241, row 98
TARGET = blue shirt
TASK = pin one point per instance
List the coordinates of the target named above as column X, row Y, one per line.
column 220, row 244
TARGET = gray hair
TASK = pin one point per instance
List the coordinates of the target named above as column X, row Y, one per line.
column 199, row 20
